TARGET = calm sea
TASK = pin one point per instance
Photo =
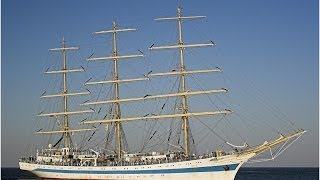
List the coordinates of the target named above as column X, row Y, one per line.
column 244, row 173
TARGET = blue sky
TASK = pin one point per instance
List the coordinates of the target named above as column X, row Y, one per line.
column 271, row 45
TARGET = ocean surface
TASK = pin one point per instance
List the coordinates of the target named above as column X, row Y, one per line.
column 244, row 173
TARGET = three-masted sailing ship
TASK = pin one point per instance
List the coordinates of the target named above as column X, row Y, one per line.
column 70, row 162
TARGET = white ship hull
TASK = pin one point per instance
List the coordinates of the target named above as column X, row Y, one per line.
column 209, row 168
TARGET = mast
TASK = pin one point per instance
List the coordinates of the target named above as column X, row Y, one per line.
column 115, row 81
column 64, row 94
column 183, row 92
column 116, row 90
column 65, row 99
column 183, row 88
column 180, row 45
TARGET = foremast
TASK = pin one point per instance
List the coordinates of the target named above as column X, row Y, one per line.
column 183, row 88
column 64, row 94
column 116, row 89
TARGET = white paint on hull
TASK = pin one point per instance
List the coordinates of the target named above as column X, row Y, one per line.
column 208, row 168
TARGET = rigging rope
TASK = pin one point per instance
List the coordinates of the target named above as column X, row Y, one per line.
column 279, row 152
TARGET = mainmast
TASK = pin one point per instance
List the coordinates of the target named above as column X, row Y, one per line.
column 64, row 94
column 183, row 87
column 115, row 80
column 65, row 99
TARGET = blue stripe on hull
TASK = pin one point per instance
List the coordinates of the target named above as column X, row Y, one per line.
column 158, row 171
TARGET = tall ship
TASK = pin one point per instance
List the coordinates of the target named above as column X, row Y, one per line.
column 63, row 158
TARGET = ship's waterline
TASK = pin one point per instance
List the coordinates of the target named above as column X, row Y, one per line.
column 209, row 168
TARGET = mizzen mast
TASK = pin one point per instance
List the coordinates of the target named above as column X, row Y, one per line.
column 64, row 94
column 65, row 99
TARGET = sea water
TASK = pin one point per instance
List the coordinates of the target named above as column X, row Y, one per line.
column 243, row 174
